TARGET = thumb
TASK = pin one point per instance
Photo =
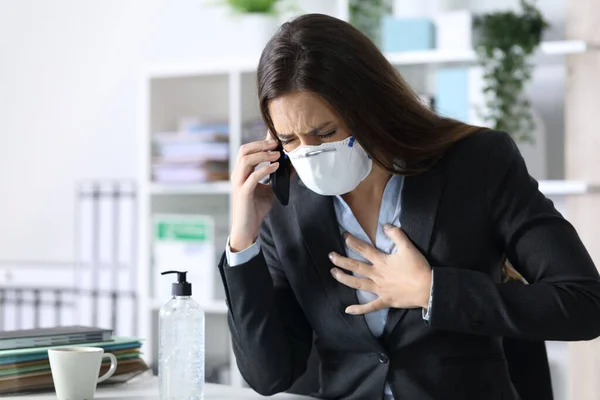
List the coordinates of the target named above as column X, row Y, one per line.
column 397, row 235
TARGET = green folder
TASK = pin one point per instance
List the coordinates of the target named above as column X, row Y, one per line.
column 41, row 353
column 45, row 366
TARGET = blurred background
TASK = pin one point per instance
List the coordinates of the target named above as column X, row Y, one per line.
column 120, row 121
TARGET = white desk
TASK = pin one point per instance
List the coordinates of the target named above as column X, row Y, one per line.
column 148, row 390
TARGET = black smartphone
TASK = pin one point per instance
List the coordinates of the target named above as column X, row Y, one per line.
column 280, row 179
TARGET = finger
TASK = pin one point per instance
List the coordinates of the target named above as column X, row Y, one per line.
column 350, row 264
column 363, row 248
column 353, row 281
column 360, row 309
column 255, row 177
column 397, row 235
column 255, row 147
column 248, row 163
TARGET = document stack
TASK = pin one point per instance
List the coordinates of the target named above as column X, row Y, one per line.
column 27, row 369
column 196, row 152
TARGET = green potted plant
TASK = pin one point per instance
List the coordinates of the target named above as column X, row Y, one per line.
column 505, row 44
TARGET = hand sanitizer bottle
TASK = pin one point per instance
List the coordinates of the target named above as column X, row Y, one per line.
column 181, row 344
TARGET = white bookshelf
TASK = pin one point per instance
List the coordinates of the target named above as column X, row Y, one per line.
column 225, row 89
column 215, row 91
column 196, row 188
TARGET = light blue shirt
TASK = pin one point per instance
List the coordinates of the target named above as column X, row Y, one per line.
column 389, row 213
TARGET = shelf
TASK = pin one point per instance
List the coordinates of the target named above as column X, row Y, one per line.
column 246, row 65
column 562, row 188
column 548, row 187
column 223, row 187
column 562, row 47
column 216, row 307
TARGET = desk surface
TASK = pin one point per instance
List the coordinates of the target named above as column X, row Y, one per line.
column 148, row 390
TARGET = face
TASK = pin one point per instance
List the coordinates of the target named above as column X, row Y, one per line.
column 304, row 119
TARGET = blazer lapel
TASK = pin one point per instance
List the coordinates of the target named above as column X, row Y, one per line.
column 420, row 199
column 321, row 235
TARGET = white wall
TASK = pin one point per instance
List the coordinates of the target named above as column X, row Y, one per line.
column 68, row 71
column 66, row 110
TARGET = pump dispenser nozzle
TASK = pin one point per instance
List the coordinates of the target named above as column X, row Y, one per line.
column 182, row 287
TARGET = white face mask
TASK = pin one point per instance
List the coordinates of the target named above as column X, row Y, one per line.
column 331, row 169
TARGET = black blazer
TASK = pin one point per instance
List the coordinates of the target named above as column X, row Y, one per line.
column 476, row 206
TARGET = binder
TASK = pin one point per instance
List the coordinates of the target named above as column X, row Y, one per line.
column 106, row 272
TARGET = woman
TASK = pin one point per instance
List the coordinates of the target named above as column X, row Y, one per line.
column 388, row 258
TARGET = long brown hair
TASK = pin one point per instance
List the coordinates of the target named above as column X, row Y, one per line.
column 329, row 57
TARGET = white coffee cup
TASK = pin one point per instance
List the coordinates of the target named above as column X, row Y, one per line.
column 75, row 371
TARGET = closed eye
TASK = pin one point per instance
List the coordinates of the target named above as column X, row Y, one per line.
column 323, row 136
column 328, row 134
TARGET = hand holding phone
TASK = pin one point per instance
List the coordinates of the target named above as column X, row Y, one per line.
column 251, row 201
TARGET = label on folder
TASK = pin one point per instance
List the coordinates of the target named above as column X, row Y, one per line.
column 190, row 231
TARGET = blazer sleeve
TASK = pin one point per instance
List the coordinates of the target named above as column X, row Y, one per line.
column 562, row 300
column 271, row 337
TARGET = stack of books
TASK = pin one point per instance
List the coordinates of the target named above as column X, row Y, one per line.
column 195, row 153
column 24, row 364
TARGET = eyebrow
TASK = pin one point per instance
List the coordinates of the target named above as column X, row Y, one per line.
column 312, row 132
